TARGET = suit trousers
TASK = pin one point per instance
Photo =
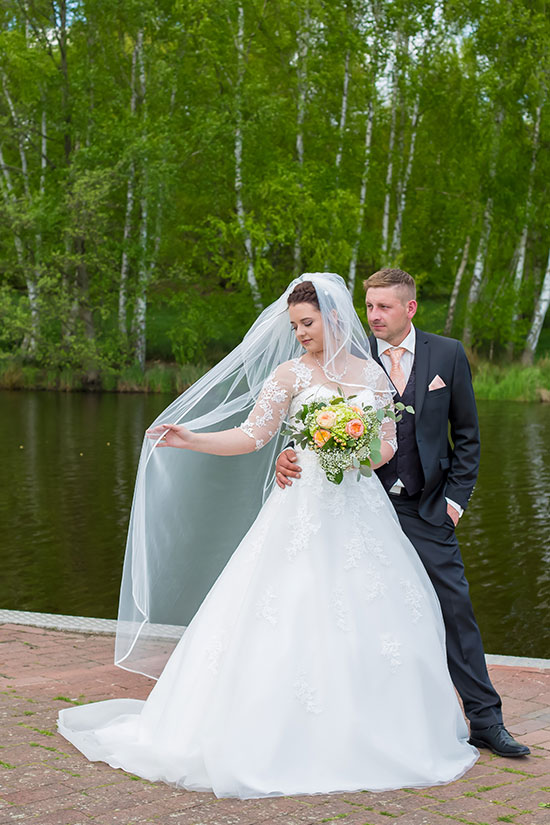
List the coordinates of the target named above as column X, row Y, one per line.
column 440, row 554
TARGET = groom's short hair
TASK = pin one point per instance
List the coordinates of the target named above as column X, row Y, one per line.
column 393, row 277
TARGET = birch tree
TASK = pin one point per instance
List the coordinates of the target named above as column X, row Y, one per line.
column 456, row 287
column 301, row 76
column 241, row 68
column 362, row 197
column 125, row 262
column 402, row 196
column 539, row 314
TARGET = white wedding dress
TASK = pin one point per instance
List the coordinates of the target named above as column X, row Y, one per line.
column 316, row 663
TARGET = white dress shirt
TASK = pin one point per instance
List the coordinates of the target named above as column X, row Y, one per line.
column 407, row 359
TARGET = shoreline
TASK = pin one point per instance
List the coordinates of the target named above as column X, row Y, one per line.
column 492, row 381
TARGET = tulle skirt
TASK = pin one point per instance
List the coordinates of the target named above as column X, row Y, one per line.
column 316, row 664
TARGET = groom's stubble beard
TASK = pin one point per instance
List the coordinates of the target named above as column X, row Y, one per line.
column 388, row 315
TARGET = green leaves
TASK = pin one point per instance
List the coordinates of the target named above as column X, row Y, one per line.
column 123, row 147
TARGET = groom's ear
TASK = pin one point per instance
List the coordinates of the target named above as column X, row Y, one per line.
column 412, row 306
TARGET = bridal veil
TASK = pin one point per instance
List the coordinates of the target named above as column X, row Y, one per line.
column 191, row 510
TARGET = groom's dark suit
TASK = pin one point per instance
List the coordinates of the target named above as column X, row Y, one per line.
column 438, row 469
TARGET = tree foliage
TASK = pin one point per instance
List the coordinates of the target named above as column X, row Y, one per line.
column 185, row 159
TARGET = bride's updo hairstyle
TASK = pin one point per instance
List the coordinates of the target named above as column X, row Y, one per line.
column 304, row 293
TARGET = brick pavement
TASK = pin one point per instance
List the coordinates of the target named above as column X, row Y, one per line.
column 44, row 780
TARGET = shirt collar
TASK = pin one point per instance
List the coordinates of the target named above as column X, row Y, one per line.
column 408, row 343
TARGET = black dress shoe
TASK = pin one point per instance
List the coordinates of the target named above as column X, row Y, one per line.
column 498, row 740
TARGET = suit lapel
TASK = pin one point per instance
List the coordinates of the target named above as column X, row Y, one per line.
column 374, row 351
column 422, row 359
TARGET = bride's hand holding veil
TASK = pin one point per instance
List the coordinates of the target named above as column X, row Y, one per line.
column 171, row 435
column 223, row 442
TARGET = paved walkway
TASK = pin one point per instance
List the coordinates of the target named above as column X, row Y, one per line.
column 44, row 780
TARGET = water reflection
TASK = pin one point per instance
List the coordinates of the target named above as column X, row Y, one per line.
column 505, row 533
column 69, row 463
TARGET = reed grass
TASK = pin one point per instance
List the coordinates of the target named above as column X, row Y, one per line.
column 512, row 382
column 492, row 382
column 157, row 378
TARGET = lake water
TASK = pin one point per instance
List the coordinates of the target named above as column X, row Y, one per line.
column 68, row 468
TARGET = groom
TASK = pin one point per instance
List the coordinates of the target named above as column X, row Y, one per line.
column 430, row 481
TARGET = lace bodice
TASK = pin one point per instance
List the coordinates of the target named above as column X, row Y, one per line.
column 294, row 383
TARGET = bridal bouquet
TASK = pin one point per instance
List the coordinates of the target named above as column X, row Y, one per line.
column 343, row 434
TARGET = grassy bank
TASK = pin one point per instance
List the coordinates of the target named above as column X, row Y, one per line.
column 493, row 382
column 512, row 382
column 157, row 377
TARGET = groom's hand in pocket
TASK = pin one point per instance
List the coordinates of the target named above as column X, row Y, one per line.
column 286, row 468
column 452, row 513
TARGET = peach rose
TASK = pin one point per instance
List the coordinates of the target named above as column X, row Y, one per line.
column 321, row 437
column 355, row 428
column 326, row 418
column 358, row 410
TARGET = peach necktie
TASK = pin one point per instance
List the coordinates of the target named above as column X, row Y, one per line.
column 396, row 373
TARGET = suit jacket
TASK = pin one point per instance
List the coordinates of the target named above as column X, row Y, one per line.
column 446, row 425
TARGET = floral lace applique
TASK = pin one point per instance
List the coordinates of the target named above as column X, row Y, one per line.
column 303, row 375
column 375, row 501
column 391, row 650
column 374, row 586
column 302, row 528
column 413, row 598
column 364, row 544
column 266, row 607
column 355, row 548
column 273, row 395
column 337, row 502
column 258, row 539
column 214, row 651
column 306, row 695
column 341, row 615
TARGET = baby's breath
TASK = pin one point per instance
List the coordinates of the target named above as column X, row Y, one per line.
column 347, row 433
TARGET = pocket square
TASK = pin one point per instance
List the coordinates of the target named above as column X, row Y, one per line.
column 436, row 383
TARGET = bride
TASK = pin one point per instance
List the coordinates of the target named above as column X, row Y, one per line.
column 314, row 658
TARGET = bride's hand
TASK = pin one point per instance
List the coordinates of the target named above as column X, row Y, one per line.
column 173, row 435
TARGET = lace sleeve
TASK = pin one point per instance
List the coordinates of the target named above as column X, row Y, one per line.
column 383, row 397
column 270, row 409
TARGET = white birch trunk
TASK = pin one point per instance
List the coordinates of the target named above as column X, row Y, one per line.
column 124, row 265
column 483, row 245
column 241, row 217
column 389, row 171
column 139, row 325
column 456, row 288
column 125, row 262
column 20, row 142
column 362, row 198
column 539, row 315
column 479, row 265
column 30, row 342
column 341, row 130
column 402, row 198
column 343, row 115
column 301, row 71
column 42, row 187
column 9, row 195
column 140, row 310
column 522, row 247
